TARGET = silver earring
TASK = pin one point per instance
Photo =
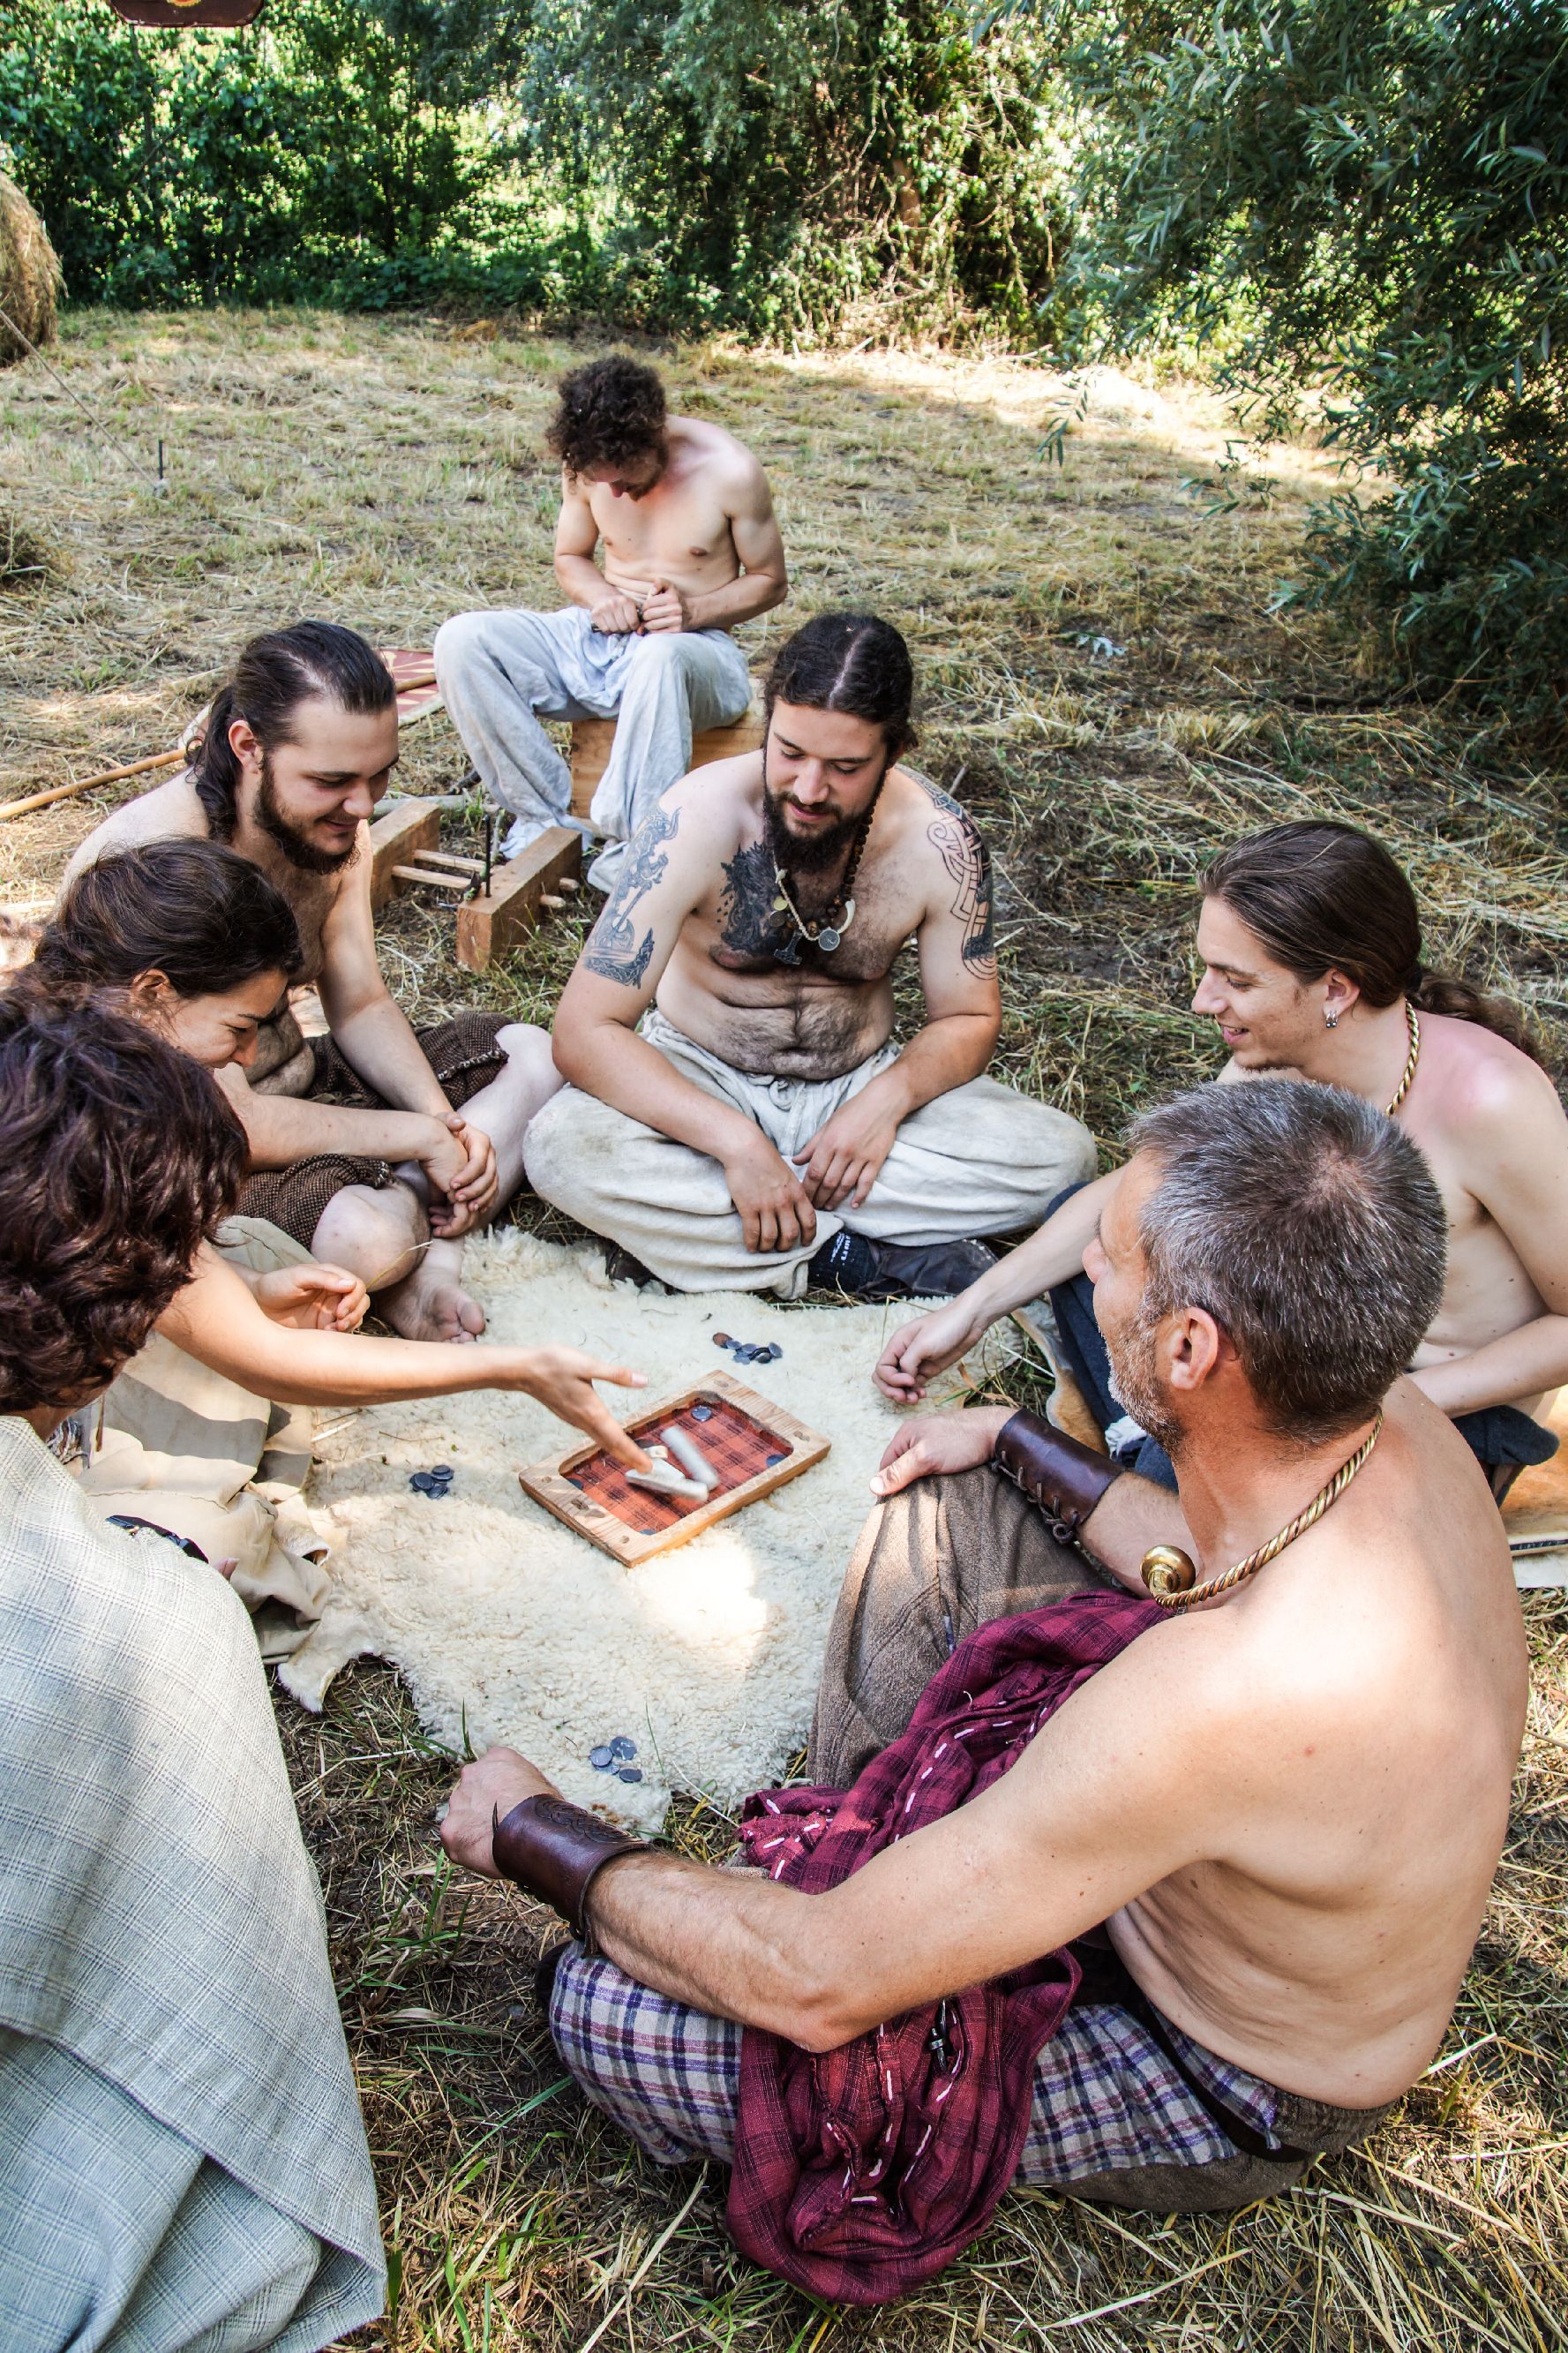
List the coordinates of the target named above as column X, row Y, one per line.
column 1330, row 1018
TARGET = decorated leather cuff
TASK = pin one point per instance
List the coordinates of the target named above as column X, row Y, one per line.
column 1065, row 1478
column 555, row 1851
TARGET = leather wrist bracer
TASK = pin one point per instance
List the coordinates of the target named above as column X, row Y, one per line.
column 554, row 1850
column 1063, row 1477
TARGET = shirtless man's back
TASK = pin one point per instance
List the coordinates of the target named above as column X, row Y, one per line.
column 691, row 549
column 1282, row 1803
column 1358, row 1012
column 737, row 1112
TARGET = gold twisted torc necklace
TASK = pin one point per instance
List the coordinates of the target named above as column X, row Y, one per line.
column 1169, row 1573
column 1412, row 1023
column 1166, row 1569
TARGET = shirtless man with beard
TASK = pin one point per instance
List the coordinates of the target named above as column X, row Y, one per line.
column 1310, row 945
column 691, row 549
column 357, row 1147
column 1270, row 1820
column 739, row 1116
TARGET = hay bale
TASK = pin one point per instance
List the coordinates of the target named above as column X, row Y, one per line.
column 29, row 275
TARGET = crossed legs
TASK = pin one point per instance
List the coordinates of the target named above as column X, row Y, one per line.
column 382, row 1233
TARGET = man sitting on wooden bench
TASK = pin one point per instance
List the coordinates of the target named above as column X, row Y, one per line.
column 360, row 1153
column 691, row 548
column 740, row 1116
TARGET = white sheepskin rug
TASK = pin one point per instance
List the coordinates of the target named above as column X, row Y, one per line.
column 507, row 1626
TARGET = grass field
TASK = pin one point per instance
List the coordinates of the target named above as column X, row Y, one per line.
column 1103, row 684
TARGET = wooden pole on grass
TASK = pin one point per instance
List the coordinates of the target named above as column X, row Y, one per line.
column 86, row 784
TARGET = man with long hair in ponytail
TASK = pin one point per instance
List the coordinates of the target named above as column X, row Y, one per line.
column 377, row 1148
column 741, row 1116
column 1309, row 940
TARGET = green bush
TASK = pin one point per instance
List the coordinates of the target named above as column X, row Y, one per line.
column 805, row 168
column 672, row 163
column 1363, row 199
column 327, row 139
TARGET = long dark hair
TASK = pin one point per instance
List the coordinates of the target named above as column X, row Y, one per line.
column 207, row 919
column 1324, row 897
column 273, row 676
column 852, row 662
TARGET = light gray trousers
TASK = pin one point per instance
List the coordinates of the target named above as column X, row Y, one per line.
column 501, row 673
column 982, row 1159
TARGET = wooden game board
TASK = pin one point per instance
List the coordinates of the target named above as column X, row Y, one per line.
column 752, row 1443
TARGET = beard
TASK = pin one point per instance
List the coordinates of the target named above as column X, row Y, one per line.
column 1134, row 1382
column 296, row 846
column 825, row 845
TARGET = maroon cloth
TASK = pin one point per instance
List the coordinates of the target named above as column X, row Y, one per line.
column 859, row 2173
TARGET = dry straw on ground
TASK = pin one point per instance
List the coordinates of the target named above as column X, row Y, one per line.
column 1104, row 684
column 29, row 277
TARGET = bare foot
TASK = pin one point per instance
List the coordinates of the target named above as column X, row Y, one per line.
column 430, row 1303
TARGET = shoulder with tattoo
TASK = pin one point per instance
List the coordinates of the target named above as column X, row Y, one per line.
column 956, row 840
column 620, row 945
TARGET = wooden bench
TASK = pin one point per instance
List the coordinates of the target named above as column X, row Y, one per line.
column 592, row 740
column 521, row 893
column 396, row 839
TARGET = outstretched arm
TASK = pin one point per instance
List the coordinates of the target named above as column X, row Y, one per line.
column 919, row 1351
column 218, row 1319
column 1125, row 1785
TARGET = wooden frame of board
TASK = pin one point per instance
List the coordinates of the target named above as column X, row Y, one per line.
column 549, row 1483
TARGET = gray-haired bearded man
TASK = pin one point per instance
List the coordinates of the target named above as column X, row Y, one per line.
column 1311, row 943
column 1263, row 1831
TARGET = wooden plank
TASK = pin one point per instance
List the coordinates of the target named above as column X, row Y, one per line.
column 490, row 924
column 394, row 841
column 431, row 875
column 549, row 1483
column 594, row 739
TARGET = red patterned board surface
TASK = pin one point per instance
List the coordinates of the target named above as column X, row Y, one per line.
column 737, row 1446
column 413, row 671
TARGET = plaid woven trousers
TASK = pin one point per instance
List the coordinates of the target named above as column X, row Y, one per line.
column 1106, row 2096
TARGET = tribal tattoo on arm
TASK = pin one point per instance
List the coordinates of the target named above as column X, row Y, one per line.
column 614, row 949
column 953, row 837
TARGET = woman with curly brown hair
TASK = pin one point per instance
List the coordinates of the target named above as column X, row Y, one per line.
column 205, row 1433
column 182, row 2159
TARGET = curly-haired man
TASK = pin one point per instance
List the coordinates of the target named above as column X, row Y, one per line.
column 690, row 549
column 182, row 2159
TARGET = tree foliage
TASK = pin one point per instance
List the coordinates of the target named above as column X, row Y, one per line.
column 811, row 166
column 1363, row 200
column 690, row 163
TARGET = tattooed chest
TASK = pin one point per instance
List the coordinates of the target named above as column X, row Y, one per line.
column 754, row 934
